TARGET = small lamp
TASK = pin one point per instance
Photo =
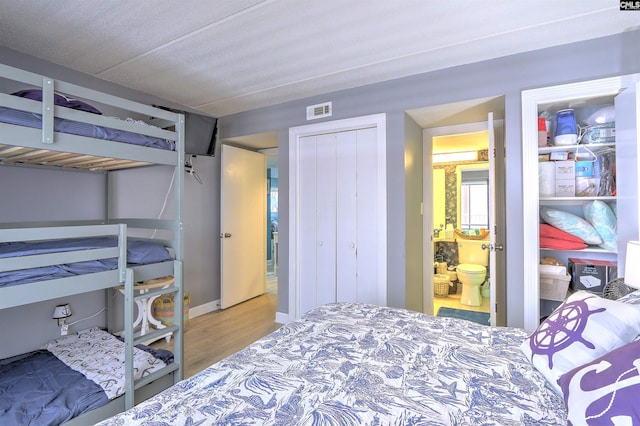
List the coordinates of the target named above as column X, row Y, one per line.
column 61, row 313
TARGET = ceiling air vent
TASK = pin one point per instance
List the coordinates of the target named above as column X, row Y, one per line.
column 319, row 111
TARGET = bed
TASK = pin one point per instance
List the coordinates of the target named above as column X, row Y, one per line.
column 50, row 123
column 360, row 364
column 72, row 375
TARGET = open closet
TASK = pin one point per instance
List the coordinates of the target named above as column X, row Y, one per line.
column 618, row 95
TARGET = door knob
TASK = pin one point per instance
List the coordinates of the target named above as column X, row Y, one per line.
column 225, row 235
column 493, row 247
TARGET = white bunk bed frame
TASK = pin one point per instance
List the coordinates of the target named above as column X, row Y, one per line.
column 20, row 145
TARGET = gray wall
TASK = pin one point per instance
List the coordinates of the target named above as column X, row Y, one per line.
column 507, row 76
column 31, row 194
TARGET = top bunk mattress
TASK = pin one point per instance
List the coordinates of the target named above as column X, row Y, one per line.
column 29, row 119
column 138, row 253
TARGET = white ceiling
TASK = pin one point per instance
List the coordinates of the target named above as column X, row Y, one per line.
column 228, row 56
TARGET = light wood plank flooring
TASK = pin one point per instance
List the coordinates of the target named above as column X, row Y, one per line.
column 216, row 335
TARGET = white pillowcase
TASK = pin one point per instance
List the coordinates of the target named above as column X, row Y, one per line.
column 584, row 327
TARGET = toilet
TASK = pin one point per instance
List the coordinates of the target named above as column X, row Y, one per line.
column 472, row 270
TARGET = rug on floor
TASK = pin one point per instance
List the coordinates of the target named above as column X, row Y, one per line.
column 479, row 317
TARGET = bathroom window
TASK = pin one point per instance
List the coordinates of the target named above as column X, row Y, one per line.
column 474, row 199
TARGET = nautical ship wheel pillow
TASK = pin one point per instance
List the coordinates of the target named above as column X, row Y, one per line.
column 583, row 328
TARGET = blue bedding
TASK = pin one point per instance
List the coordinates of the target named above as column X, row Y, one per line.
column 29, row 119
column 138, row 253
column 37, row 388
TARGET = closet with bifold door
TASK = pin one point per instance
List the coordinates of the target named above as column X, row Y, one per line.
column 339, row 218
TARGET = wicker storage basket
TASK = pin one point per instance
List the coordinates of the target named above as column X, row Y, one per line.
column 441, row 285
column 163, row 309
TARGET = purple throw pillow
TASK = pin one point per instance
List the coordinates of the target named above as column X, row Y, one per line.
column 58, row 99
column 583, row 328
column 605, row 390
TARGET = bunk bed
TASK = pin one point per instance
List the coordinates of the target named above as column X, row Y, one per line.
column 55, row 124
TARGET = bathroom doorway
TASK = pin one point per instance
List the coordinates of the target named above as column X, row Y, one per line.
column 463, row 198
column 272, row 211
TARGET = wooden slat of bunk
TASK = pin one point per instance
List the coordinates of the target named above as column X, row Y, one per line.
column 21, row 155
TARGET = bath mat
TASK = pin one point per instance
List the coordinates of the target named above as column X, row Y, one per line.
column 479, row 317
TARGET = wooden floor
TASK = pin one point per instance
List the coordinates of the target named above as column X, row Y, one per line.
column 213, row 336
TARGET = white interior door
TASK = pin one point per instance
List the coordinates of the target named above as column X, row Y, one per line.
column 243, row 266
column 492, row 219
column 325, row 232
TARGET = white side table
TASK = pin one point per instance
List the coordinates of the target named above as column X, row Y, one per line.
column 145, row 317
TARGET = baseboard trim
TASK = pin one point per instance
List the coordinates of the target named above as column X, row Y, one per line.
column 206, row 308
column 282, row 318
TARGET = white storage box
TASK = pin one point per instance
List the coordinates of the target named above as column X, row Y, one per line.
column 565, row 170
column 554, row 286
column 565, row 187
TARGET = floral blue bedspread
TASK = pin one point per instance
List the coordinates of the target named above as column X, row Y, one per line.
column 358, row 364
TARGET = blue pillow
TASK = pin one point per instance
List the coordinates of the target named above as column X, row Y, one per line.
column 58, row 99
column 604, row 221
column 574, row 225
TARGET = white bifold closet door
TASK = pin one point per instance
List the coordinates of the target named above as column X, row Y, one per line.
column 338, row 218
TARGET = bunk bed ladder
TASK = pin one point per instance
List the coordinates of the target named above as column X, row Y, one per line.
column 130, row 341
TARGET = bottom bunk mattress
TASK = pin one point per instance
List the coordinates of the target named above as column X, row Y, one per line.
column 75, row 374
column 357, row 364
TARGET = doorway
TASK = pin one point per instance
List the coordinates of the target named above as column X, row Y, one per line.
column 242, row 225
column 272, row 214
column 465, row 215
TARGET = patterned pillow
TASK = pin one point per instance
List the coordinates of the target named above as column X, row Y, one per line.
column 606, row 390
column 601, row 216
column 584, row 327
column 571, row 223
